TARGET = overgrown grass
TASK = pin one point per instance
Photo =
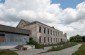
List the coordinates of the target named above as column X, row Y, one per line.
column 81, row 50
column 7, row 52
column 55, row 44
column 62, row 46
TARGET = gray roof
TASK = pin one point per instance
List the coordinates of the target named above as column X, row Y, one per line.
column 10, row 29
column 34, row 22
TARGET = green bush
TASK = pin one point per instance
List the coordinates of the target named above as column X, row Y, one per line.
column 32, row 42
column 39, row 46
column 61, row 46
column 55, row 44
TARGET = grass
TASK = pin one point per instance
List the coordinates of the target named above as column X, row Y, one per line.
column 55, row 44
column 81, row 50
column 7, row 52
column 63, row 46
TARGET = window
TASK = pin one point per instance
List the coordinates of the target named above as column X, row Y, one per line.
column 2, row 38
column 44, row 30
column 56, row 33
column 48, row 39
column 40, row 39
column 51, row 39
column 2, row 34
column 61, row 39
column 56, row 39
column 40, row 29
column 48, row 31
column 51, row 32
column 44, row 39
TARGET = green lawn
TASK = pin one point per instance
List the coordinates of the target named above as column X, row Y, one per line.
column 7, row 52
column 81, row 50
column 62, row 46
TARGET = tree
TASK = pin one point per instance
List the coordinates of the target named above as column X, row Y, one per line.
column 83, row 38
column 31, row 41
column 76, row 38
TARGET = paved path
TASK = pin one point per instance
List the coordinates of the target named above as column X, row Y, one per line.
column 32, row 51
column 67, row 51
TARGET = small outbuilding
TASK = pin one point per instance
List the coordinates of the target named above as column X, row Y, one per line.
column 13, row 36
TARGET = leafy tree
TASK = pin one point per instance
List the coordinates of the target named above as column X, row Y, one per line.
column 83, row 38
column 76, row 38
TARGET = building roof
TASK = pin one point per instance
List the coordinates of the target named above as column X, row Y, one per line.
column 34, row 22
column 9, row 29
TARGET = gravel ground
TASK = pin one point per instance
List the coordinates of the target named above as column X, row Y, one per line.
column 67, row 51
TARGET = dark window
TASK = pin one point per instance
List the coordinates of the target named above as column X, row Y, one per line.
column 51, row 39
column 44, row 30
column 48, row 39
column 2, row 34
column 51, row 32
column 48, row 31
column 61, row 40
column 40, row 29
column 56, row 33
column 44, row 39
column 40, row 39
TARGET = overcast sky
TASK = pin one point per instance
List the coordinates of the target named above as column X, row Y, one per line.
column 57, row 13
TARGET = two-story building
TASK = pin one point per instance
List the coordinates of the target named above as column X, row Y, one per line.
column 43, row 33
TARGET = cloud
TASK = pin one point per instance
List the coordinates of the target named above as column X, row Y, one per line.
column 70, row 20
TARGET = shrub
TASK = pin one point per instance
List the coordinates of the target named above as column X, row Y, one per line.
column 39, row 46
column 61, row 46
column 33, row 42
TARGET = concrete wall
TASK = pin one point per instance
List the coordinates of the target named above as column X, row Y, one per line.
column 33, row 30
